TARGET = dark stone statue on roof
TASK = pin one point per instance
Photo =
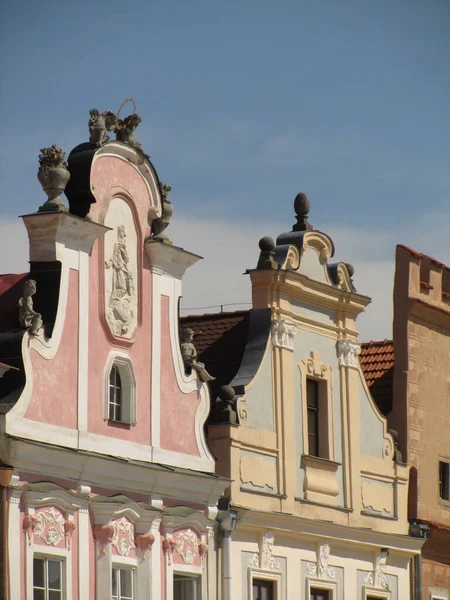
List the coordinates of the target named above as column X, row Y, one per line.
column 28, row 317
column 99, row 125
column 189, row 354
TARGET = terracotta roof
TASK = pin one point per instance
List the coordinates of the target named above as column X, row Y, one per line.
column 421, row 255
column 377, row 363
column 220, row 340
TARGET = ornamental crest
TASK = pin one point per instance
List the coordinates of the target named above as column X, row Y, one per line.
column 187, row 545
column 265, row 559
column 283, row 334
column 49, row 526
column 123, row 537
column 377, row 578
column 321, row 568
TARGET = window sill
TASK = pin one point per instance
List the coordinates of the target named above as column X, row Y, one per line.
column 320, row 484
column 118, row 424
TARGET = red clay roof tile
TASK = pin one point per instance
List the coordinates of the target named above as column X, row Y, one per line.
column 377, row 363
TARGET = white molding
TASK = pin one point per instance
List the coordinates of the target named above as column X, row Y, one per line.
column 122, row 361
column 84, row 550
column 102, row 470
column 14, row 540
column 83, row 341
column 257, row 573
column 283, row 334
column 156, row 363
column 348, row 353
column 129, row 155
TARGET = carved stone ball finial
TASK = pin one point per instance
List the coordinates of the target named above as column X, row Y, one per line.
column 266, row 260
column 53, row 176
column 28, row 317
column 159, row 225
column 99, row 125
column 227, row 406
column 301, row 207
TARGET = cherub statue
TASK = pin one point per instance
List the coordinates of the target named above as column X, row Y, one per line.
column 99, row 125
column 189, row 354
column 124, row 132
column 28, row 317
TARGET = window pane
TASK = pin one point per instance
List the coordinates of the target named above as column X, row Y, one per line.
column 38, row 595
column 317, row 594
column 54, row 596
column 312, row 392
column 126, row 583
column 54, row 574
column 38, row 572
column 114, row 582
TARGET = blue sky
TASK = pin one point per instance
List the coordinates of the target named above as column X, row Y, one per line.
column 244, row 104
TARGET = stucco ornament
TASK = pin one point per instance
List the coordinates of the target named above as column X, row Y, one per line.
column 168, row 546
column 28, row 525
column 99, row 125
column 143, row 543
column 189, row 354
column 28, row 317
column 122, row 303
column 378, row 578
column 53, row 177
column 348, row 353
column 123, row 537
column 187, row 546
column 283, row 334
column 103, row 535
column 321, row 568
column 49, row 526
column 265, row 559
column 69, row 528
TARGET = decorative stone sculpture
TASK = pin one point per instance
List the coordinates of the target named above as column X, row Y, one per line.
column 28, row 317
column 99, row 125
column 159, row 225
column 69, row 528
column 124, row 131
column 189, row 354
column 321, row 568
column 301, row 207
column 53, row 176
column 103, row 535
column 377, row 578
column 28, row 526
column 348, row 353
column 122, row 296
column 283, row 334
column 226, row 405
column 264, row 559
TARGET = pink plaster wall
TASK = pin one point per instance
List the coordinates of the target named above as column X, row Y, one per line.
column 177, row 409
column 55, row 382
column 113, row 177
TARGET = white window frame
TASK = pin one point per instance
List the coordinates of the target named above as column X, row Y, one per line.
column 122, row 362
column 51, row 556
column 274, row 576
column 438, row 594
column 197, row 577
column 126, row 564
column 376, row 593
column 321, row 584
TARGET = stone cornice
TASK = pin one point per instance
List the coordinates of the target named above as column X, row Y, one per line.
column 317, row 529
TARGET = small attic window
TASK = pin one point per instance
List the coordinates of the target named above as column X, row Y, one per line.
column 119, row 398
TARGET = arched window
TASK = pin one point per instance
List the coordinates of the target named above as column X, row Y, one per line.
column 115, row 395
column 119, row 390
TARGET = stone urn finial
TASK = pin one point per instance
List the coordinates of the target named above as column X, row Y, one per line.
column 53, row 176
column 301, row 207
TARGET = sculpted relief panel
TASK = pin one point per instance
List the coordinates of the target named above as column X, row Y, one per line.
column 121, row 274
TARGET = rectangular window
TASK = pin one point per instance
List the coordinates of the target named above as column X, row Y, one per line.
column 122, row 583
column 47, row 579
column 444, row 480
column 186, row 587
column 263, row 589
column 318, row 594
column 312, row 402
